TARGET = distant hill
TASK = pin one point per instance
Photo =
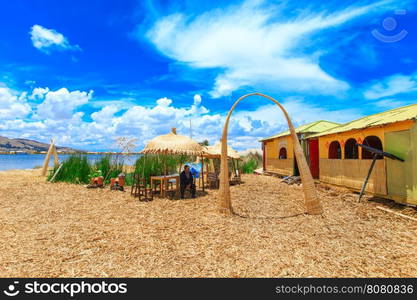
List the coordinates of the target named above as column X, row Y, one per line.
column 25, row 145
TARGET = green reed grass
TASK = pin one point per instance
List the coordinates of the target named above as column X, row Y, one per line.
column 154, row 164
column 75, row 169
column 109, row 167
column 251, row 162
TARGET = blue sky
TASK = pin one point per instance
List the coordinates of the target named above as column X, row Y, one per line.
column 87, row 72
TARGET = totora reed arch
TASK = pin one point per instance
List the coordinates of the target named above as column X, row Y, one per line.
column 312, row 203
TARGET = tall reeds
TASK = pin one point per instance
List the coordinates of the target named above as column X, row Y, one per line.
column 78, row 169
column 109, row 167
column 155, row 164
column 75, row 169
column 251, row 162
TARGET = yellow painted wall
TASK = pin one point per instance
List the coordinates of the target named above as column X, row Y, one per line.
column 380, row 132
column 360, row 134
column 272, row 147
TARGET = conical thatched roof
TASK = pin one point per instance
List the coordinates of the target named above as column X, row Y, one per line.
column 216, row 150
column 173, row 143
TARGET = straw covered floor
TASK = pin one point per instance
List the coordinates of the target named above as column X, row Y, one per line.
column 66, row 230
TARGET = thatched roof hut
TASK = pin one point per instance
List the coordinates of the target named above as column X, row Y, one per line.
column 173, row 143
column 215, row 151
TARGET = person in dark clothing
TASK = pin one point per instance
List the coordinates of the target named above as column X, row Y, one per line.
column 187, row 181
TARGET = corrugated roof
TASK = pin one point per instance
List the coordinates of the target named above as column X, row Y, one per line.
column 314, row 127
column 404, row 113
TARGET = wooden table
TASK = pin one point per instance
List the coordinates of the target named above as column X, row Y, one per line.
column 164, row 179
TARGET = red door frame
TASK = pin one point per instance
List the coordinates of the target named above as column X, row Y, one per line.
column 263, row 156
column 313, row 145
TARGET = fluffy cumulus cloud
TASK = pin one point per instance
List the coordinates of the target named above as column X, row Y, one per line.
column 11, row 105
column 60, row 114
column 38, row 93
column 47, row 40
column 60, row 104
column 254, row 44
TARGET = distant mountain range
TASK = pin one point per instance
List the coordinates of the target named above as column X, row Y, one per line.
column 25, row 145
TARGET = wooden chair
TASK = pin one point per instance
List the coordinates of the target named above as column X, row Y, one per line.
column 156, row 189
column 140, row 189
column 235, row 178
column 171, row 192
column 213, row 180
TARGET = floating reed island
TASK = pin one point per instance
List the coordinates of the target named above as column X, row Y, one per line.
column 66, row 230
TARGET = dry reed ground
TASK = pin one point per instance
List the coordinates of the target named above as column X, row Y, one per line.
column 57, row 230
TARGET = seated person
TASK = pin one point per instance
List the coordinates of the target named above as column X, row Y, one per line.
column 187, row 181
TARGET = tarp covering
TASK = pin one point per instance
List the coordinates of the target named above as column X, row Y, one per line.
column 195, row 169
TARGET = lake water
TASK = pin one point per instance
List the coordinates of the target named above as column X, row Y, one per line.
column 30, row 161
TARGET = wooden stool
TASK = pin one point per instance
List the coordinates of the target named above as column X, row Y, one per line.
column 139, row 189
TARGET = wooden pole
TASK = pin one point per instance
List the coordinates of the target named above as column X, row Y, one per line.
column 47, row 158
column 56, row 173
column 56, row 160
column 213, row 169
column 396, row 213
column 202, row 171
column 368, row 176
column 312, row 203
column 165, row 156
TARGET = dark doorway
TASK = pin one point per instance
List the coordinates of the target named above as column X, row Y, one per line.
column 282, row 153
column 314, row 157
column 296, row 171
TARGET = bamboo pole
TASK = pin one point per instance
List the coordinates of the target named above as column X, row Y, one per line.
column 47, row 158
column 56, row 160
column 202, row 171
column 396, row 213
column 312, row 203
column 368, row 176
column 56, row 173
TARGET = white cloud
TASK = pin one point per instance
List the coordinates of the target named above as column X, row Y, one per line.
column 61, row 103
column 253, row 45
column 105, row 114
column 46, row 40
column 391, row 103
column 38, row 93
column 58, row 116
column 391, row 85
column 12, row 106
column 197, row 99
column 164, row 102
